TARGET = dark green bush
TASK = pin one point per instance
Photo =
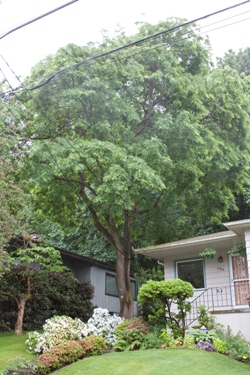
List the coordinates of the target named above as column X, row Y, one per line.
column 57, row 294
column 152, row 340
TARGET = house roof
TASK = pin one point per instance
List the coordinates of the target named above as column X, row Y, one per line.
column 88, row 261
column 215, row 240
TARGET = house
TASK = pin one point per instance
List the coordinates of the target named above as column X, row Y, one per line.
column 221, row 283
column 102, row 277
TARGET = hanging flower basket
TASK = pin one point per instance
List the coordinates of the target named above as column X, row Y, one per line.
column 239, row 248
column 208, row 253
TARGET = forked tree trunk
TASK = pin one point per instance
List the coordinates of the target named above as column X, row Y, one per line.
column 20, row 313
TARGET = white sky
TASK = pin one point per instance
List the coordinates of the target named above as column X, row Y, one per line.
column 83, row 21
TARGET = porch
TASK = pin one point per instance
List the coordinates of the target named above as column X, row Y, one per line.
column 229, row 304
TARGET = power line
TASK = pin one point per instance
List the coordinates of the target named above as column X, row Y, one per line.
column 129, row 45
column 170, row 44
column 37, row 18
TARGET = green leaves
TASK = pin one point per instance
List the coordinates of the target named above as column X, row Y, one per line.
column 46, row 258
column 151, row 141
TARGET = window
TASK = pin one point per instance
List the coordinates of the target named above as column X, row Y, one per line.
column 191, row 271
column 110, row 286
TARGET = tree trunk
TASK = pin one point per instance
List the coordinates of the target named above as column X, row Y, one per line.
column 122, row 252
column 123, row 286
column 20, row 313
column 123, row 267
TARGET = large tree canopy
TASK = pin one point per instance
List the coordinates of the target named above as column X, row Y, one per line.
column 12, row 197
column 143, row 142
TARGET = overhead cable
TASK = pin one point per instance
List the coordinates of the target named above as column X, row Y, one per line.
column 129, row 45
column 37, row 18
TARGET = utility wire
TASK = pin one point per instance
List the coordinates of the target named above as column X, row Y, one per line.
column 37, row 18
column 142, row 49
column 140, row 41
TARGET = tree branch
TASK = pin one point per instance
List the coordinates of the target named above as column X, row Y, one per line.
column 84, row 183
column 9, row 295
column 94, row 215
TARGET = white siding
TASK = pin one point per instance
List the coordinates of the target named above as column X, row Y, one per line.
column 216, row 274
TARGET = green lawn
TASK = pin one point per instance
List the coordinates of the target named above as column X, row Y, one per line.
column 157, row 362
column 177, row 361
column 12, row 346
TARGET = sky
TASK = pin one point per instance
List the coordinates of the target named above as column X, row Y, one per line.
column 83, row 21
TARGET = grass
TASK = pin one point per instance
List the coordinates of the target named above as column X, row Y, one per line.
column 12, row 346
column 142, row 362
column 157, row 362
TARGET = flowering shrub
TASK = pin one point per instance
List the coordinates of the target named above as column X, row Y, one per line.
column 62, row 328
column 59, row 355
column 103, row 324
column 56, row 330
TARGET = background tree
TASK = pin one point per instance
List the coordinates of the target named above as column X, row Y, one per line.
column 12, row 198
column 148, row 141
column 241, row 63
column 27, row 262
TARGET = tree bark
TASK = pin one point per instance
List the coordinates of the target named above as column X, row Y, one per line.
column 123, row 267
column 20, row 313
column 122, row 251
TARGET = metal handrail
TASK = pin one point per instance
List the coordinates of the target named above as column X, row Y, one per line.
column 220, row 298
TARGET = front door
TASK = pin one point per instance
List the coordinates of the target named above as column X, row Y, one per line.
column 240, row 280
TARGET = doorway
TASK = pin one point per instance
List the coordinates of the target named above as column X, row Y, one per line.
column 240, row 280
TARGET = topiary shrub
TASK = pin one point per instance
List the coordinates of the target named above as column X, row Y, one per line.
column 161, row 295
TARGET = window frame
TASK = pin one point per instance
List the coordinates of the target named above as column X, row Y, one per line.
column 186, row 260
column 132, row 281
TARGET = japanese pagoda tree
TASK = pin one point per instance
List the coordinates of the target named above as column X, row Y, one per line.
column 138, row 140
